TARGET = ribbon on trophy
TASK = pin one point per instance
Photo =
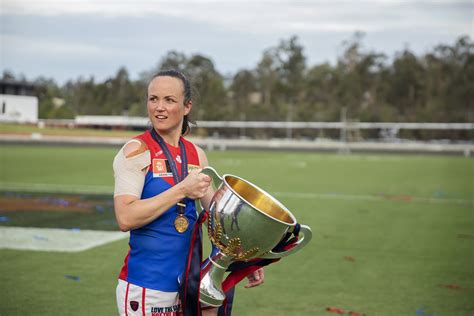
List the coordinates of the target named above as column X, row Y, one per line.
column 190, row 284
column 240, row 269
column 191, row 280
column 267, row 232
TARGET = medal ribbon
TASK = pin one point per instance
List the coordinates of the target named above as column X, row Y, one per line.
column 191, row 279
column 174, row 168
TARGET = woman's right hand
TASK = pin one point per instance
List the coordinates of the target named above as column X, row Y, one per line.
column 195, row 185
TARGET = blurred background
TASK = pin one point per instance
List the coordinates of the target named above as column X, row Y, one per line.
column 278, row 61
column 357, row 115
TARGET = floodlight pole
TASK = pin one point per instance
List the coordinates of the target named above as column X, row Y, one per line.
column 343, row 134
column 289, row 119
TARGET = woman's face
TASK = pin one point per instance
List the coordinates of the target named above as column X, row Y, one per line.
column 165, row 104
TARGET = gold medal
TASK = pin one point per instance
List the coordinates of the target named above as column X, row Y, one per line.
column 181, row 223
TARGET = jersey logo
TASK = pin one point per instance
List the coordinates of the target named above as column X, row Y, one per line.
column 193, row 167
column 161, row 168
column 134, row 305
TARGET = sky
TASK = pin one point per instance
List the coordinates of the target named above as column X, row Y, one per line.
column 68, row 39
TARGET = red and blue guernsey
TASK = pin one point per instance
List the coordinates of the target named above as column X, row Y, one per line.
column 157, row 251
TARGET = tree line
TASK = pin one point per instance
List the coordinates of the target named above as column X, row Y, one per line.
column 363, row 84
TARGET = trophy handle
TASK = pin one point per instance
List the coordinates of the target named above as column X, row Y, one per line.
column 307, row 235
column 216, row 182
column 216, row 179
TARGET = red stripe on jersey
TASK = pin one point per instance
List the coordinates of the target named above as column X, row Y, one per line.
column 124, row 272
column 143, row 301
column 126, row 299
column 157, row 153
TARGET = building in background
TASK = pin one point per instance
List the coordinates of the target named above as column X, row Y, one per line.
column 18, row 102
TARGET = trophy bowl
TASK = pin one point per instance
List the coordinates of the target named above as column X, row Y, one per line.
column 244, row 223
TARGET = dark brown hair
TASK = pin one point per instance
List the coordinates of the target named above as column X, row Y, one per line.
column 186, row 127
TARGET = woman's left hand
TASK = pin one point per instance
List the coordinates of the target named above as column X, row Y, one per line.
column 256, row 278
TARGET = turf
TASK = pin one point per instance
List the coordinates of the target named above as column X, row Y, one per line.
column 26, row 129
column 393, row 235
column 70, row 211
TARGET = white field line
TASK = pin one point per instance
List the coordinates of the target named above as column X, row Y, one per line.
column 68, row 188
column 55, row 239
column 364, row 197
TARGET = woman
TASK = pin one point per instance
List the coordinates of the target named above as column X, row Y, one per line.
column 157, row 179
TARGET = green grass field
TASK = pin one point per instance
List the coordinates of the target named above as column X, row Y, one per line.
column 393, row 235
column 25, row 129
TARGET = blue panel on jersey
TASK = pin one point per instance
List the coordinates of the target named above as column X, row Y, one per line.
column 158, row 252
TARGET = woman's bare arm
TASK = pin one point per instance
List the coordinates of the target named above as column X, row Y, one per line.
column 132, row 212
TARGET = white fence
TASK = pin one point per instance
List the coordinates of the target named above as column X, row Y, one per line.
column 128, row 121
column 389, row 131
column 387, row 141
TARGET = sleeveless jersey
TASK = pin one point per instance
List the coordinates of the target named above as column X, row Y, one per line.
column 158, row 252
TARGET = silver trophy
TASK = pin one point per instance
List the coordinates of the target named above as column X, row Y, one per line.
column 244, row 223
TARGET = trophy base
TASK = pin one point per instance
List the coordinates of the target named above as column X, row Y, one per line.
column 211, row 284
column 211, row 301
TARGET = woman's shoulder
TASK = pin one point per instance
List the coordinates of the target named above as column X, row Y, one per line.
column 199, row 151
column 134, row 147
column 202, row 156
column 191, row 144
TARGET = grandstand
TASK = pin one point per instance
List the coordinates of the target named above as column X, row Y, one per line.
column 18, row 102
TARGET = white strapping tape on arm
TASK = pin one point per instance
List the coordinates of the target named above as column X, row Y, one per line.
column 129, row 172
